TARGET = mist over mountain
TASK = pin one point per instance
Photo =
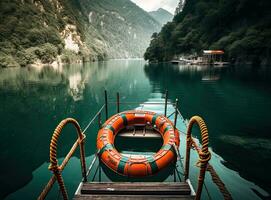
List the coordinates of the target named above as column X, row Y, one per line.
column 161, row 15
column 39, row 31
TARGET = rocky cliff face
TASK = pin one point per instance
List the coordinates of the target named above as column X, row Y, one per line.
column 41, row 31
column 124, row 29
column 161, row 15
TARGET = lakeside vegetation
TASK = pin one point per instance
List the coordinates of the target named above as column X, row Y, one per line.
column 241, row 28
column 27, row 34
column 32, row 31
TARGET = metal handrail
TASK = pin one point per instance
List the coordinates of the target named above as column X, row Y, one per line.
column 92, row 164
column 92, row 120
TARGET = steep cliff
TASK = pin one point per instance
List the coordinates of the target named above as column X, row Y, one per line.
column 161, row 15
column 41, row 31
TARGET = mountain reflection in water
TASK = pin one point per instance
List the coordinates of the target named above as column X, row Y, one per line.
column 232, row 100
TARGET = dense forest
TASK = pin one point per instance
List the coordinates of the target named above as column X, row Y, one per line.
column 44, row 31
column 242, row 28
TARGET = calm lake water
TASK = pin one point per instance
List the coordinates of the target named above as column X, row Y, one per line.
column 234, row 101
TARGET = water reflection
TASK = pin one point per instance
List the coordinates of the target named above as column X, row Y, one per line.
column 232, row 100
column 234, row 103
column 207, row 73
column 33, row 101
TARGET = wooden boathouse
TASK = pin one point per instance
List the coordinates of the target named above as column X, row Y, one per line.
column 213, row 56
column 208, row 57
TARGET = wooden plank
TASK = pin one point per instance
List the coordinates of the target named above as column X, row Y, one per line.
column 136, row 156
column 139, row 133
column 136, row 188
column 132, row 197
column 138, row 184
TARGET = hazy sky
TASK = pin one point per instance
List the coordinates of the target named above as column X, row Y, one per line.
column 150, row 5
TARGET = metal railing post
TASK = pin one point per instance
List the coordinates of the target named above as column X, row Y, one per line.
column 106, row 105
column 187, row 160
column 118, row 102
column 166, row 99
column 99, row 121
column 176, row 114
column 83, row 159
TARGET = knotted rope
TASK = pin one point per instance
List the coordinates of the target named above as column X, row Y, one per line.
column 54, row 167
column 204, row 157
column 204, row 154
column 216, row 179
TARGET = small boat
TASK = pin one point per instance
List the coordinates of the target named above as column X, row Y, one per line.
column 139, row 169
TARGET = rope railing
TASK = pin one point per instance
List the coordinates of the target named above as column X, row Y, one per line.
column 221, row 186
column 204, row 157
column 204, row 154
column 55, row 167
column 215, row 178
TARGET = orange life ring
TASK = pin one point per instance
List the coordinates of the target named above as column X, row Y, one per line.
column 140, row 166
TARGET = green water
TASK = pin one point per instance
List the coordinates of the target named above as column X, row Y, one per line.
column 234, row 101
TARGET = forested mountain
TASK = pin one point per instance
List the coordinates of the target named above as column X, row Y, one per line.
column 240, row 27
column 161, row 15
column 39, row 31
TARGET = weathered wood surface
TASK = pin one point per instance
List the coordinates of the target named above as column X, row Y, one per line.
column 132, row 197
column 134, row 191
column 139, row 133
column 136, row 188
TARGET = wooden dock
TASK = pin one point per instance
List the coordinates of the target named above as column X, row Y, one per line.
column 130, row 190
column 133, row 191
column 139, row 132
